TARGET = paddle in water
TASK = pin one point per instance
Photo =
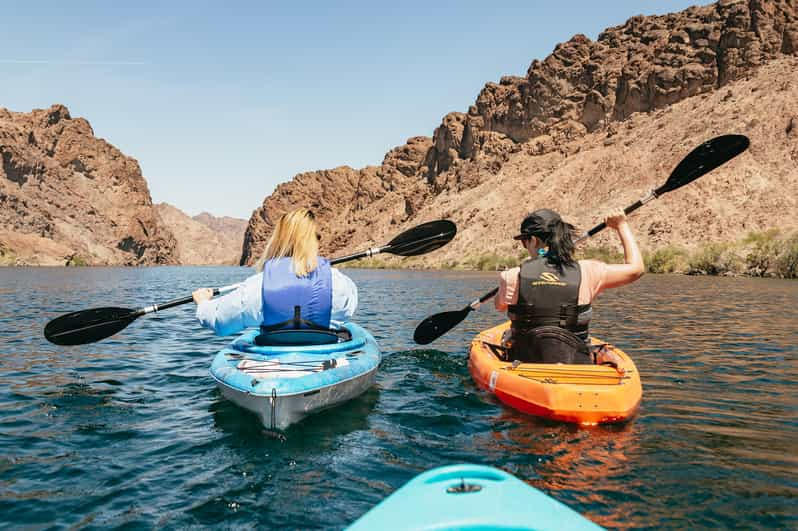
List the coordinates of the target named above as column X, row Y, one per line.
column 698, row 162
column 89, row 326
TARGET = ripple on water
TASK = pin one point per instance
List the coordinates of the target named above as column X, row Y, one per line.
column 131, row 431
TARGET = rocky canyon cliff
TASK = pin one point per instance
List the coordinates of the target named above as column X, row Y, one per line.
column 593, row 126
column 67, row 196
column 70, row 198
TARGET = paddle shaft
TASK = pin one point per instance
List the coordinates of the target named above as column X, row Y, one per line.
column 363, row 254
column 216, row 291
column 628, row 210
column 489, row 295
column 95, row 324
column 177, row 302
column 595, row 230
column 398, row 248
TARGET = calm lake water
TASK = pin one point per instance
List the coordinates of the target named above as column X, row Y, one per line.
column 131, row 431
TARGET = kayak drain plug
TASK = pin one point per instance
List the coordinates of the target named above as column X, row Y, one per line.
column 464, row 488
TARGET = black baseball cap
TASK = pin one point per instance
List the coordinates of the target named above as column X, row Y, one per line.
column 538, row 224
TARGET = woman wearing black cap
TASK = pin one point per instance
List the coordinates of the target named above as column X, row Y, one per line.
column 548, row 298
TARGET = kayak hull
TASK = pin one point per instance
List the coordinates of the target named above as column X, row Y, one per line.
column 580, row 394
column 283, row 385
column 470, row 497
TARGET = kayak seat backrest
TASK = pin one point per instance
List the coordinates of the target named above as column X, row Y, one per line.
column 301, row 337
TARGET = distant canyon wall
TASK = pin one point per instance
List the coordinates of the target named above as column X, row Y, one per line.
column 203, row 239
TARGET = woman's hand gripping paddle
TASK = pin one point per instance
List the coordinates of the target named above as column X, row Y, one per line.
column 89, row 326
column 698, row 162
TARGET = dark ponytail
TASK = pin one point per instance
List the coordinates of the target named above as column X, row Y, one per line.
column 559, row 239
column 557, row 235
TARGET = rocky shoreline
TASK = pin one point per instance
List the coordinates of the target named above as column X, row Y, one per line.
column 760, row 254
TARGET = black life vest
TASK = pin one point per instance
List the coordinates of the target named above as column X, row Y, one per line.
column 548, row 323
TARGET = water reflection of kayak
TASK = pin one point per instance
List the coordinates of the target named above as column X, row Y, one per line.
column 284, row 384
column 582, row 394
column 470, row 497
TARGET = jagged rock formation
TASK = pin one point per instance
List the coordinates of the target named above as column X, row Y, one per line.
column 593, row 125
column 203, row 239
column 346, row 197
column 67, row 197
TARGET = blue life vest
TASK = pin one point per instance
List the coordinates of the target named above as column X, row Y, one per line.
column 282, row 290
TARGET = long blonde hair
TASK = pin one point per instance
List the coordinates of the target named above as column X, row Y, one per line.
column 294, row 236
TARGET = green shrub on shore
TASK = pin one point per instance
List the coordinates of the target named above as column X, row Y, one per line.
column 605, row 254
column 490, row 262
column 667, row 260
column 758, row 254
column 368, row 263
column 76, row 261
column 7, row 256
column 714, row 259
column 787, row 261
column 763, row 252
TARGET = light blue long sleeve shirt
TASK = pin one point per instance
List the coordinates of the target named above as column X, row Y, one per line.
column 243, row 308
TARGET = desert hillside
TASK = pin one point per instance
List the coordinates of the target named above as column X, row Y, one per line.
column 203, row 239
column 595, row 125
column 227, row 226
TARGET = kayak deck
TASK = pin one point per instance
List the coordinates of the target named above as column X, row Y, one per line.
column 470, row 497
column 581, row 394
column 283, row 384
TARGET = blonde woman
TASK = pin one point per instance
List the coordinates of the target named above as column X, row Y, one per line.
column 291, row 273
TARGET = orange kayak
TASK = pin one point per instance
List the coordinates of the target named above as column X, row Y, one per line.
column 582, row 394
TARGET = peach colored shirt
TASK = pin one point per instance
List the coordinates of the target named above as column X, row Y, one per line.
column 594, row 274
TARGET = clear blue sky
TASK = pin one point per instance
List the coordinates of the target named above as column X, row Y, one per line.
column 219, row 104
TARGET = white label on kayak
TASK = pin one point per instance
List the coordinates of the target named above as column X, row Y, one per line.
column 493, row 377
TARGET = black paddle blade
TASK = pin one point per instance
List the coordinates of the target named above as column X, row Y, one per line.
column 436, row 325
column 423, row 238
column 88, row 326
column 704, row 159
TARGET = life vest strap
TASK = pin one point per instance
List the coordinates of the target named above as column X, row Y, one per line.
column 296, row 322
column 297, row 331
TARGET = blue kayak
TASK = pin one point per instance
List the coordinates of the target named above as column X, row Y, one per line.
column 284, row 383
column 470, row 497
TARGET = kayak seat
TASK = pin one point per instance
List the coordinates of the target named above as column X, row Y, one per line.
column 302, row 333
column 549, row 344
column 302, row 337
